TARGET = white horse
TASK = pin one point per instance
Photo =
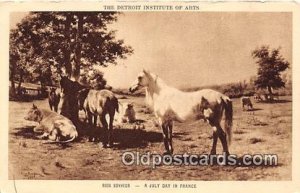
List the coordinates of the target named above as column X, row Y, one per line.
column 170, row 104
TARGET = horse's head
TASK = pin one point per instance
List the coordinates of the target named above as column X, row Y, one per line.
column 34, row 114
column 63, row 82
column 69, row 86
column 52, row 90
column 81, row 96
column 144, row 79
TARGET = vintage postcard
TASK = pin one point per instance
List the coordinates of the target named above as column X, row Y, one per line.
column 150, row 96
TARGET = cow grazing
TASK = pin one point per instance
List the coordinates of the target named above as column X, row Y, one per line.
column 53, row 125
column 246, row 101
column 99, row 103
column 53, row 99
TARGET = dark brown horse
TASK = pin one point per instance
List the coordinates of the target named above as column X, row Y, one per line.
column 69, row 102
column 53, row 99
column 99, row 103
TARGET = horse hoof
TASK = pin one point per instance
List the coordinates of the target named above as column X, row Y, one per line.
column 104, row 145
column 110, row 145
column 212, row 152
column 167, row 153
column 226, row 153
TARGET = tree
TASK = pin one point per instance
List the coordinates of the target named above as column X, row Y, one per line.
column 71, row 41
column 94, row 79
column 13, row 62
column 271, row 64
column 19, row 55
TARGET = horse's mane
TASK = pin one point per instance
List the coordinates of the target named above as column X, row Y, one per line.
column 154, row 88
column 70, row 86
column 161, row 84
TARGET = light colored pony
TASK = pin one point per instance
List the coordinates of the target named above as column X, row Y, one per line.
column 170, row 104
column 99, row 103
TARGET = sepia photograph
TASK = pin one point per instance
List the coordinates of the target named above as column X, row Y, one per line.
column 150, row 95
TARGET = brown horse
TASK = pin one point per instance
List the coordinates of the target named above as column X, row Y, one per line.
column 99, row 103
column 69, row 104
column 53, row 99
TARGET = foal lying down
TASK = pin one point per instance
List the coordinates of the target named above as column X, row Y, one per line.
column 53, row 125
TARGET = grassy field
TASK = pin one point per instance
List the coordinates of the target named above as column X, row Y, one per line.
column 267, row 129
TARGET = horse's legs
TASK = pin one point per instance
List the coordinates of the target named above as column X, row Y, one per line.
column 95, row 120
column 90, row 123
column 55, row 107
column 215, row 140
column 223, row 139
column 170, row 125
column 50, row 105
column 167, row 128
column 166, row 137
column 110, row 130
column 167, row 132
column 104, row 125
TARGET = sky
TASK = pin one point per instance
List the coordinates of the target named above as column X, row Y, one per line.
column 190, row 49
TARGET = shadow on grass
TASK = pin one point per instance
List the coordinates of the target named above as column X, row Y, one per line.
column 132, row 138
column 254, row 109
column 275, row 101
column 26, row 132
column 179, row 135
column 123, row 138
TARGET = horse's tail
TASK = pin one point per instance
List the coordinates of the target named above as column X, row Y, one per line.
column 114, row 102
column 228, row 118
column 57, row 98
column 62, row 142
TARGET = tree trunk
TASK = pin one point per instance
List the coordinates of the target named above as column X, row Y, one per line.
column 42, row 94
column 270, row 93
column 12, row 81
column 13, row 88
column 20, row 83
column 67, row 51
column 77, row 59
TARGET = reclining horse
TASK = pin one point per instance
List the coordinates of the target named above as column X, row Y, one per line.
column 170, row 104
column 52, row 125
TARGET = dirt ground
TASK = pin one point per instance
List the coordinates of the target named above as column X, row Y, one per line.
column 267, row 129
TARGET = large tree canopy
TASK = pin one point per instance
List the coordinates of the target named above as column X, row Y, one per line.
column 45, row 42
column 271, row 64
